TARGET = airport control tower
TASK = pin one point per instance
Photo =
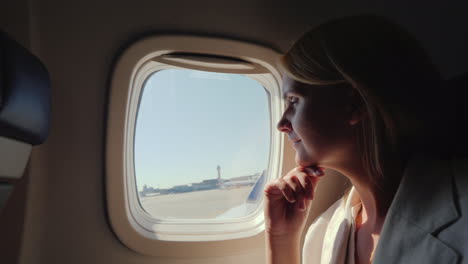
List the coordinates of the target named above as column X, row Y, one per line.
column 219, row 172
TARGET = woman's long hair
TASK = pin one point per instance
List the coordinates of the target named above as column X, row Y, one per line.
column 400, row 89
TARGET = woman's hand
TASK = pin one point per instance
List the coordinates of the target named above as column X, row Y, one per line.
column 288, row 201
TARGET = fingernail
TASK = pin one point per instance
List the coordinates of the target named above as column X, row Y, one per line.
column 318, row 172
column 308, row 171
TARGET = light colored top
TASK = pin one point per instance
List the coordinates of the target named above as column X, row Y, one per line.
column 330, row 238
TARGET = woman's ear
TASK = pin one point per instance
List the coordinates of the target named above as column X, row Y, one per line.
column 356, row 109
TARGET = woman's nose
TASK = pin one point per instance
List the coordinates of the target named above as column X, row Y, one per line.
column 284, row 125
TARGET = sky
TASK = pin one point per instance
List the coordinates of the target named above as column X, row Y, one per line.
column 189, row 122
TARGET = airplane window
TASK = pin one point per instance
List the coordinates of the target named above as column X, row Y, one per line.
column 202, row 145
column 191, row 140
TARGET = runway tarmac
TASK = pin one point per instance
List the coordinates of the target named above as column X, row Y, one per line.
column 195, row 205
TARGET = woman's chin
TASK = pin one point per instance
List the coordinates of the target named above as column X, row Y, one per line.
column 301, row 162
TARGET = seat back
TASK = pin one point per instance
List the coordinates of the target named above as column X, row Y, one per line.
column 24, row 110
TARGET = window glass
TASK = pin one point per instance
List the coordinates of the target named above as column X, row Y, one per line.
column 202, row 144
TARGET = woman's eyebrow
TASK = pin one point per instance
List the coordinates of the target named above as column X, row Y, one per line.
column 291, row 93
column 286, row 95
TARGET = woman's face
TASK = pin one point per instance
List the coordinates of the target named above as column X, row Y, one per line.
column 318, row 121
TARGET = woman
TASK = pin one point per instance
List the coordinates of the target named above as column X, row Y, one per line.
column 363, row 98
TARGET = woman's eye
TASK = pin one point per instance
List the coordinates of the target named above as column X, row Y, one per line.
column 291, row 100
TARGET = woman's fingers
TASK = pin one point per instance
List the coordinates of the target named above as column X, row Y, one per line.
column 309, row 190
column 296, row 186
column 307, row 181
column 297, row 189
column 287, row 190
column 279, row 187
column 301, row 184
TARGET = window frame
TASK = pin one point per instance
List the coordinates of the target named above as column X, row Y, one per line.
column 136, row 228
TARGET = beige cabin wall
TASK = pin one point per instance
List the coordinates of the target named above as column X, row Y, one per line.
column 63, row 206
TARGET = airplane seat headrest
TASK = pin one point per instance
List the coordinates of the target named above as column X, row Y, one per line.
column 459, row 84
column 24, row 106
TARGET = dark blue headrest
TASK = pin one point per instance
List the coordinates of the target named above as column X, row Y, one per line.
column 24, row 94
